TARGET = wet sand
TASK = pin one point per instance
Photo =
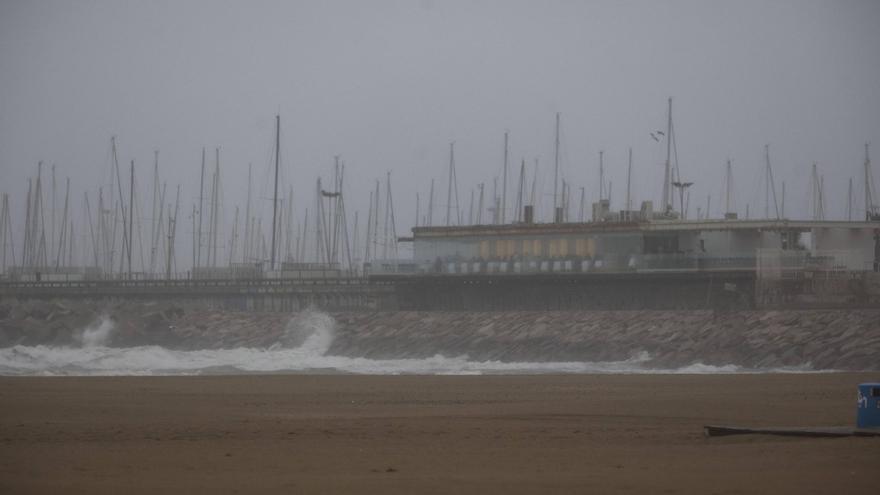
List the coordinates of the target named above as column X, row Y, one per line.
column 437, row 434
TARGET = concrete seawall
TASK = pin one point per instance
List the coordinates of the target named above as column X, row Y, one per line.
column 814, row 339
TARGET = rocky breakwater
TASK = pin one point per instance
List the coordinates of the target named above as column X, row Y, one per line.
column 808, row 339
column 814, row 339
column 130, row 324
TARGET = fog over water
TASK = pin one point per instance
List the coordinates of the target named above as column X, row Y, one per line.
column 388, row 85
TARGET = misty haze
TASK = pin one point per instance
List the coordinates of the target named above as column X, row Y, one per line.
column 439, row 246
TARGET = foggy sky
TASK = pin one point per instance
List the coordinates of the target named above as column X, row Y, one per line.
column 387, row 85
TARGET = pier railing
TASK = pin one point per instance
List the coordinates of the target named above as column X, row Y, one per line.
column 762, row 260
column 643, row 263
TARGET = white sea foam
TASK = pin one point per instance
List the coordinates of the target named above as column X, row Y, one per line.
column 302, row 349
column 150, row 360
column 98, row 333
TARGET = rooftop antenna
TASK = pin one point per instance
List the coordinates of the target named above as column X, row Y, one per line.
column 682, row 187
column 601, row 175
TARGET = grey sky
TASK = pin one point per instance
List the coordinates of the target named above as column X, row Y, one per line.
column 387, row 85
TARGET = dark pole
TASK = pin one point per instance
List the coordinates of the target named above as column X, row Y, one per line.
column 275, row 196
column 130, row 217
column 198, row 258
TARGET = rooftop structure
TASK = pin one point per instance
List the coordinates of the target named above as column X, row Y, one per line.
column 639, row 241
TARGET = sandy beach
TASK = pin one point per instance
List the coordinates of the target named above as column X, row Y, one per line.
column 429, row 434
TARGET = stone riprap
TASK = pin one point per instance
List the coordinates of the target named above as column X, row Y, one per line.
column 814, row 339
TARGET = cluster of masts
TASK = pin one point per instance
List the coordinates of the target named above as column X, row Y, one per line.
column 116, row 243
column 675, row 189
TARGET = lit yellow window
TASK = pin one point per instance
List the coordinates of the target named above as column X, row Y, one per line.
column 505, row 248
column 591, row 247
column 484, row 249
column 563, row 247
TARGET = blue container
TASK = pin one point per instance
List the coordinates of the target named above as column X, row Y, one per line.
column 868, row 415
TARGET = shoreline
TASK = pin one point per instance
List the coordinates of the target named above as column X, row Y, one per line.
column 824, row 339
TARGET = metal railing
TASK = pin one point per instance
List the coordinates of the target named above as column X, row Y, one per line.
column 183, row 284
column 637, row 263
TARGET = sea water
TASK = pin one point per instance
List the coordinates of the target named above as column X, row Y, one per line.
column 302, row 349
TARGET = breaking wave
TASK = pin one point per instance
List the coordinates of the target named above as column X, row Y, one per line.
column 98, row 333
column 302, row 349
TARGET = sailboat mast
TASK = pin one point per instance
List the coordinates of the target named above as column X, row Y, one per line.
column 667, row 173
column 215, row 206
column 275, row 195
column 867, row 185
column 521, row 191
column 504, row 183
column 449, row 184
column 727, row 185
column 247, row 221
column 556, row 170
column 480, row 205
column 59, row 256
column 154, row 217
column 172, row 231
column 201, row 207
column 130, row 217
column 430, row 221
column 629, row 170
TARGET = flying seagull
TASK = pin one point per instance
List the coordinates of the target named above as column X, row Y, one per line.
column 654, row 137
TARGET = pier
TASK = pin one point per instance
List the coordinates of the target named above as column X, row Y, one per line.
column 241, row 294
